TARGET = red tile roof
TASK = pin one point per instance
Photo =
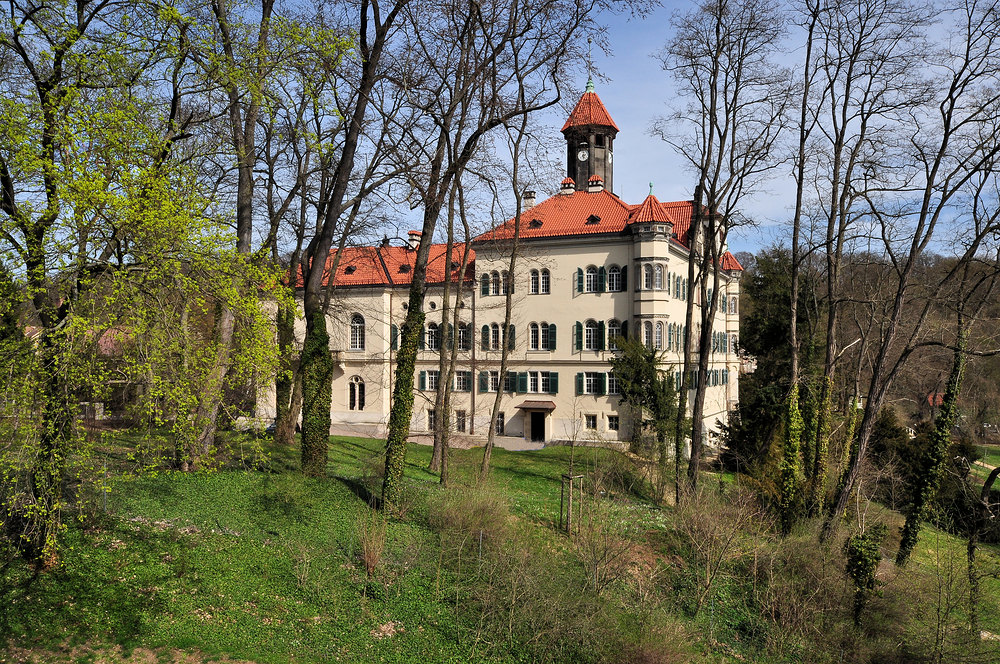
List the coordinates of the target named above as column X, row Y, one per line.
column 650, row 210
column 589, row 111
column 384, row 266
column 596, row 178
column 729, row 262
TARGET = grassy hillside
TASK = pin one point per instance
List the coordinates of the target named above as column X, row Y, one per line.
column 267, row 566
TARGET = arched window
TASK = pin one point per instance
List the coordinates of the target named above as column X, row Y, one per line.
column 484, row 284
column 614, row 278
column 464, row 336
column 535, row 283
column 647, row 334
column 534, row 336
column 591, row 336
column 495, row 283
column 504, row 282
column 546, row 343
column 357, row 332
column 590, row 282
column 356, row 393
column 658, row 277
column 545, row 282
column 658, row 341
column 494, row 337
column 647, row 276
column 433, row 337
column 732, row 305
column 614, row 331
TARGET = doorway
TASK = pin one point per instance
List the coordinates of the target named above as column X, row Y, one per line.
column 537, row 426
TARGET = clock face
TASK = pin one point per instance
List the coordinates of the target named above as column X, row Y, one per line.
column 582, row 155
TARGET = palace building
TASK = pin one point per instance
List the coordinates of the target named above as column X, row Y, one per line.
column 591, row 267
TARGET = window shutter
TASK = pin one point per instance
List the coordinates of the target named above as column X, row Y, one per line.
column 423, row 380
column 578, row 336
column 393, row 337
column 423, row 337
column 579, row 280
column 510, row 382
column 552, row 336
column 602, row 279
column 600, row 335
column 602, row 384
column 624, row 277
column 484, row 381
column 579, row 384
column 484, row 285
column 511, row 337
column 486, row 337
column 553, row 382
column 522, row 381
column 624, row 329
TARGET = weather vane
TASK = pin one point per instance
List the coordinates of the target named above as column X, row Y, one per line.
column 590, row 64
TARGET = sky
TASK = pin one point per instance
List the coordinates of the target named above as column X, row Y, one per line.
column 636, row 90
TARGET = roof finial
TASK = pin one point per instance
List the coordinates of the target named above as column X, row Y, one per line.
column 590, row 65
column 650, row 188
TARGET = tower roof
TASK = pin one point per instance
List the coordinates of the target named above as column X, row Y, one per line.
column 650, row 210
column 589, row 111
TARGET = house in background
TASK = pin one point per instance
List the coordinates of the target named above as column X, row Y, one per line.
column 591, row 267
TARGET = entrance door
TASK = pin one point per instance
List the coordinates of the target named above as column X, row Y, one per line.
column 538, row 426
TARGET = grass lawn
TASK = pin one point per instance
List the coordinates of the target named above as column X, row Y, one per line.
column 265, row 566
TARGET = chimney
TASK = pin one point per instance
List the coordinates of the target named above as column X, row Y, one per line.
column 414, row 239
column 528, row 201
column 568, row 186
column 385, row 240
column 595, row 184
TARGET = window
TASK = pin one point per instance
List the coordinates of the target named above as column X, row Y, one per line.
column 509, row 381
column 534, row 287
column 591, row 334
column 494, row 381
column 460, row 421
column 546, row 342
column 647, row 334
column 431, row 420
column 590, row 382
column 495, row 283
column 533, row 381
column 613, row 423
column 505, row 282
column 432, row 379
column 463, row 381
column 534, row 336
column 357, row 332
column 732, row 305
column 484, row 284
column 494, row 337
column 500, row 424
column 356, row 393
column 590, row 421
column 670, row 336
column 541, row 382
column 614, row 278
column 647, row 276
column 613, row 384
column 590, row 280
column 464, row 336
column 658, row 277
column 433, row 337
column 540, row 336
column 658, row 341
column 544, row 282
column 614, row 331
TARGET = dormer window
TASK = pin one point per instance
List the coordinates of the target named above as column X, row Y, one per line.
column 593, row 219
column 350, row 269
column 535, row 223
column 404, row 268
column 454, row 265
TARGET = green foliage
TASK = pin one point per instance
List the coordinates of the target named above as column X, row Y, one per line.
column 316, row 367
column 863, row 555
column 402, row 403
column 790, row 463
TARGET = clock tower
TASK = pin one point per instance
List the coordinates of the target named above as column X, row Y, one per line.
column 590, row 135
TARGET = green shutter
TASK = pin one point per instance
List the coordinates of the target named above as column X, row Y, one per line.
column 579, row 384
column 522, row 382
column 600, row 335
column 486, row 337
column 579, row 280
column 578, row 339
column 423, row 380
column 511, row 337
column 423, row 336
column 484, row 285
column 394, row 337
column 602, row 384
column 552, row 336
column 602, row 279
column 553, row 382
column 484, row 381
column 624, row 277
column 510, row 382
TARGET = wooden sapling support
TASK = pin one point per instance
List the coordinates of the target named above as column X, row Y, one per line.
column 570, row 484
